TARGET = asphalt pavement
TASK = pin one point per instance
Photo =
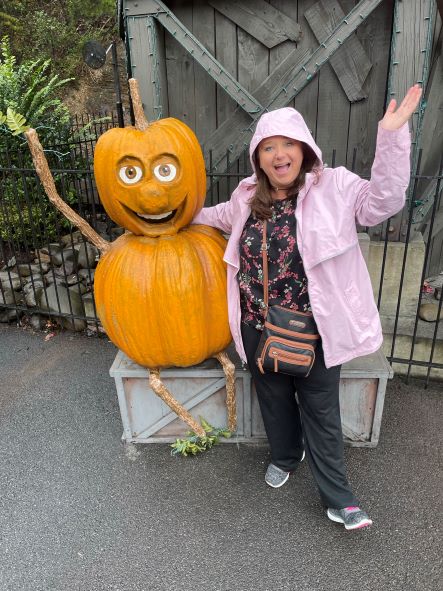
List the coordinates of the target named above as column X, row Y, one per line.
column 81, row 511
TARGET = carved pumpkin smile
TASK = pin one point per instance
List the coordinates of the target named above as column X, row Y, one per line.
column 154, row 218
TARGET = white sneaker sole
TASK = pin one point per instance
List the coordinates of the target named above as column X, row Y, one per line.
column 363, row 522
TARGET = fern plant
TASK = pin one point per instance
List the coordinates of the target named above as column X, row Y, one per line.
column 27, row 89
column 28, row 99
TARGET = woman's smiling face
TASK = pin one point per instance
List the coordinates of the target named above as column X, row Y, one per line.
column 280, row 158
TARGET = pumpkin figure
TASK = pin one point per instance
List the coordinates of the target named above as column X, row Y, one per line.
column 160, row 288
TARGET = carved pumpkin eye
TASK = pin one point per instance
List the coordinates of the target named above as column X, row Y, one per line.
column 165, row 172
column 130, row 174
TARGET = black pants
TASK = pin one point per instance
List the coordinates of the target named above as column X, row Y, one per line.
column 312, row 424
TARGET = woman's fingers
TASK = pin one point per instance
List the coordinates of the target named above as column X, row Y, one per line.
column 395, row 116
column 391, row 106
column 411, row 99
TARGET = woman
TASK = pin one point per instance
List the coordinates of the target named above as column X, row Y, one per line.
column 315, row 264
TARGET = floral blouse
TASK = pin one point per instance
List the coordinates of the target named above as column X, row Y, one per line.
column 287, row 280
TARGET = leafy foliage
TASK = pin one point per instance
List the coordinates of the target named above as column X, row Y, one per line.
column 28, row 218
column 56, row 31
column 29, row 91
column 27, row 98
column 194, row 444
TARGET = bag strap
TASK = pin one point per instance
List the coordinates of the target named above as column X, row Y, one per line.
column 264, row 250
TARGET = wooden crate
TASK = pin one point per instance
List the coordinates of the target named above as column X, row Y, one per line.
column 201, row 390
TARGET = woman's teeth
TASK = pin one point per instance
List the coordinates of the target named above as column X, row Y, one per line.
column 282, row 167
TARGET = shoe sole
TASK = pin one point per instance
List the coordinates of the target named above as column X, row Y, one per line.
column 363, row 523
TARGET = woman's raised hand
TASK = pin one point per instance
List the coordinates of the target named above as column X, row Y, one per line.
column 395, row 118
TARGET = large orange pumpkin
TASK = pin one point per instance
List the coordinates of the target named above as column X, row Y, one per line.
column 160, row 290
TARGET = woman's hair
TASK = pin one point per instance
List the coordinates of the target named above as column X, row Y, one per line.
column 261, row 201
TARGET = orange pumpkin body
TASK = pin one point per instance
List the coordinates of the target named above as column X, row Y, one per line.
column 160, row 290
column 163, row 300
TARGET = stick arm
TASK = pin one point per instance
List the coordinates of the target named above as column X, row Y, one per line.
column 43, row 171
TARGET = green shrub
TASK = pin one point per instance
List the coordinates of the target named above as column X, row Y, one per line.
column 29, row 90
column 28, row 98
column 27, row 217
column 57, row 30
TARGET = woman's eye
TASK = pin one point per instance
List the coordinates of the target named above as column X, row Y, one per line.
column 130, row 174
column 165, row 172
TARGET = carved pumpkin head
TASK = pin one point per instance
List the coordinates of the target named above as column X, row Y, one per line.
column 151, row 182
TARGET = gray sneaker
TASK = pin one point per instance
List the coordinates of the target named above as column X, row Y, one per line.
column 351, row 517
column 277, row 477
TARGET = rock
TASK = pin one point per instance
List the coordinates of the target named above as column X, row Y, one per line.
column 37, row 268
column 54, row 279
column 86, row 276
column 7, row 297
column 67, row 268
column 56, row 299
column 32, row 290
column 8, row 315
column 10, row 280
column 88, row 303
column 43, row 258
column 32, row 296
column 79, row 287
column 23, row 270
column 71, row 238
column 34, row 280
column 87, row 256
column 12, row 262
column 429, row 312
column 72, row 279
column 51, row 249
column 62, row 257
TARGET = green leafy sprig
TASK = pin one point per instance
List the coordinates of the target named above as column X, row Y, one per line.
column 194, row 444
column 14, row 121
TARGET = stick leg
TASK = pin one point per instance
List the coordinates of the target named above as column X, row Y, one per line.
column 160, row 389
column 229, row 369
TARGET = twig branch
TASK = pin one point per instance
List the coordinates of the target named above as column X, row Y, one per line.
column 42, row 168
column 141, row 122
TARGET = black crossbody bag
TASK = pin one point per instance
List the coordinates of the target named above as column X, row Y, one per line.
column 289, row 337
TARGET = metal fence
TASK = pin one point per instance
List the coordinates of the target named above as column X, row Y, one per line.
column 39, row 251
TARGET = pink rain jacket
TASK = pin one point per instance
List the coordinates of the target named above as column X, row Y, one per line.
column 339, row 285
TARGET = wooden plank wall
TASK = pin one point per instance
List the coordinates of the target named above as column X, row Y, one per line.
column 345, row 131
column 335, row 122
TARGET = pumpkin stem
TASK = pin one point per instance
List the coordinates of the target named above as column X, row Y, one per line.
column 229, row 369
column 42, row 168
column 162, row 392
column 141, row 122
